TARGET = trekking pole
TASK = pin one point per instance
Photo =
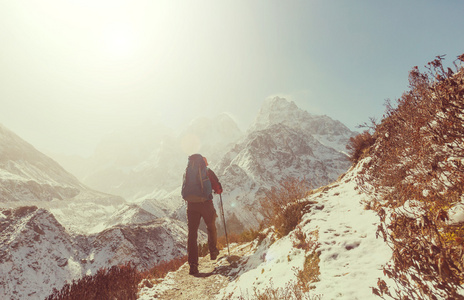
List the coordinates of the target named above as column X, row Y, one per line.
column 224, row 221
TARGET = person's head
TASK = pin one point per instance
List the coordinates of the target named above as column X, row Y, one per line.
column 206, row 162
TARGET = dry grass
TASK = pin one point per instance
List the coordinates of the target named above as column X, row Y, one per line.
column 283, row 206
column 118, row 282
column 161, row 269
column 418, row 155
column 359, row 145
column 310, row 272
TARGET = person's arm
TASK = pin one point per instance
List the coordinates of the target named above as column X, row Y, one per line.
column 215, row 184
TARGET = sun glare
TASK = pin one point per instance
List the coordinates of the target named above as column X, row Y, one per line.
column 119, row 40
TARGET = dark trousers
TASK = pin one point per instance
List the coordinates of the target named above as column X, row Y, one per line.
column 195, row 211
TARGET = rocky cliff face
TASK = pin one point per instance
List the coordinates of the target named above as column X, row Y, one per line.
column 41, row 248
column 37, row 254
column 327, row 131
column 284, row 141
column 76, row 230
column 143, row 244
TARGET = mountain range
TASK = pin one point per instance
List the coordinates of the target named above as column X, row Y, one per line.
column 137, row 213
column 38, row 254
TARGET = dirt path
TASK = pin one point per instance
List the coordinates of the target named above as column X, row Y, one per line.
column 213, row 276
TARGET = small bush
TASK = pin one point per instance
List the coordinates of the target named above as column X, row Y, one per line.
column 161, row 269
column 359, row 144
column 417, row 172
column 290, row 292
column 305, row 242
column 118, row 282
column 310, row 272
column 283, row 207
column 244, row 237
column 249, row 235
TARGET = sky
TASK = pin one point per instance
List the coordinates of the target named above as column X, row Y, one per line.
column 73, row 71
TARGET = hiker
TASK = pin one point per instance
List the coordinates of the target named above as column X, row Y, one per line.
column 198, row 184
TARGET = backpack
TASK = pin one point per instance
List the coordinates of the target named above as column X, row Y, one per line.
column 196, row 186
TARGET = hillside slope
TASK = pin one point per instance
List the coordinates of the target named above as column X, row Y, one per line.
column 284, row 141
column 351, row 257
column 147, row 160
column 416, row 168
column 38, row 254
column 28, row 175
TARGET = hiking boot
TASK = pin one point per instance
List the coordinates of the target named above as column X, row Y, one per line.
column 214, row 255
column 193, row 270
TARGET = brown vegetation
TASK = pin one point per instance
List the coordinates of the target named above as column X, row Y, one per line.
column 417, row 167
column 118, row 282
column 299, row 290
column 283, row 206
column 358, row 145
column 161, row 269
column 310, row 272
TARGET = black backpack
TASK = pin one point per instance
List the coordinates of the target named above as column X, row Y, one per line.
column 196, row 186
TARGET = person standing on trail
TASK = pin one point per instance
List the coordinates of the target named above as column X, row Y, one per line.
column 198, row 185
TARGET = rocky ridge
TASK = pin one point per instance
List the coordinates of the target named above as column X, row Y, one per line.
column 28, row 175
column 37, row 254
column 284, row 141
column 95, row 230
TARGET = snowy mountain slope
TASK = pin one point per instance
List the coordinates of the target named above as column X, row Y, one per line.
column 148, row 161
column 269, row 155
column 329, row 132
column 28, row 175
column 76, row 230
column 37, row 254
column 284, row 141
column 351, row 257
column 143, row 244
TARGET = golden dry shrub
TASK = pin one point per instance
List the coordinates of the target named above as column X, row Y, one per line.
column 117, row 282
column 358, row 145
column 284, row 206
column 161, row 269
column 417, row 169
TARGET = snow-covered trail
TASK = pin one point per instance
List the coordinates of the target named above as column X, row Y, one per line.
column 351, row 257
column 213, row 276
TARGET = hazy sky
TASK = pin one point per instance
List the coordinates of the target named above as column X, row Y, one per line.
column 74, row 70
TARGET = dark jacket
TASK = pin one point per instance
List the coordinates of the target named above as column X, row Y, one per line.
column 215, row 184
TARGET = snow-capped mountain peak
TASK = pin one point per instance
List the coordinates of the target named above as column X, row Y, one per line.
column 277, row 110
column 328, row 131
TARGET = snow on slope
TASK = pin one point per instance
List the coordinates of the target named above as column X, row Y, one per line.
column 351, row 257
column 329, row 132
column 37, row 254
column 28, row 175
column 285, row 141
column 148, row 160
column 144, row 244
